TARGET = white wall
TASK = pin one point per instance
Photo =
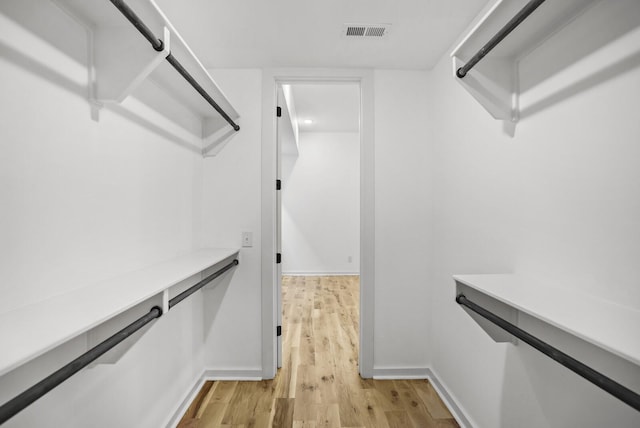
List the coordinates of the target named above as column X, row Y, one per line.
column 231, row 205
column 558, row 201
column 321, row 205
column 403, row 225
column 82, row 201
column 403, row 222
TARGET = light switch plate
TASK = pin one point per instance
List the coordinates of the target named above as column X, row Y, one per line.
column 247, row 239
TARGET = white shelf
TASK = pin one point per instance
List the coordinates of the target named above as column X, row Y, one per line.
column 28, row 332
column 494, row 81
column 610, row 326
column 124, row 61
column 288, row 123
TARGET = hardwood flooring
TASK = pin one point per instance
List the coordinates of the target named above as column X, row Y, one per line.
column 318, row 385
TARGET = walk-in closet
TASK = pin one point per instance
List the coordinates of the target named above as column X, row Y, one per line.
column 339, row 214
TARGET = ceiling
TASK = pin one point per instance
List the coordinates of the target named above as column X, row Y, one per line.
column 331, row 107
column 304, row 33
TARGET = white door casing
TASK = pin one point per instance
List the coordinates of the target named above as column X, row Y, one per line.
column 280, row 103
column 270, row 277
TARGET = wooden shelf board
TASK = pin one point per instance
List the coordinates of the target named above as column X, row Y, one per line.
column 495, row 81
column 547, row 19
column 102, row 17
column 287, row 133
column 605, row 324
column 28, row 332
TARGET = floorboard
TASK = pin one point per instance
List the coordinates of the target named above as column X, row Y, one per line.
column 319, row 385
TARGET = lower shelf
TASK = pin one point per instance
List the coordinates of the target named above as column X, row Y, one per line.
column 607, row 325
column 29, row 332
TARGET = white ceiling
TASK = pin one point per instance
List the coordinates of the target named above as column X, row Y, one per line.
column 305, row 33
column 331, row 107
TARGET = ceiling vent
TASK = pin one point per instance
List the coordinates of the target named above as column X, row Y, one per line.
column 373, row 31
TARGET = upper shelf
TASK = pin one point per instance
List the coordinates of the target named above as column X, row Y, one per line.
column 124, row 61
column 495, row 80
column 602, row 323
column 28, row 332
column 288, row 123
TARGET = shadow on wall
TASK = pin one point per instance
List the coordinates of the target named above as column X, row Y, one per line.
column 288, row 165
column 48, row 23
column 212, row 298
column 36, row 32
column 603, row 75
column 36, row 67
column 548, row 391
column 587, row 52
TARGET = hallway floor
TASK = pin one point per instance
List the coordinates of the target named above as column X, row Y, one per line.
column 318, row 384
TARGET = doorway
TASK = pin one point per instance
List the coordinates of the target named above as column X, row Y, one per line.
column 318, row 204
column 269, row 245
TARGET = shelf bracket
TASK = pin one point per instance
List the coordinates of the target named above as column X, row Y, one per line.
column 102, row 331
column 504, row 311
column 215, row 142
column 120, row 66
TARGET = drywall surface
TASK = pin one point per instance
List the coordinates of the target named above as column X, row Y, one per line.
column 83, row 201
column 403, row 221
column 558, row 201
column 321, row 205
column 231, row 202
column 231, row 205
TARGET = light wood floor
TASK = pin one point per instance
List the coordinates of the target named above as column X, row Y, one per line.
column 319, row 385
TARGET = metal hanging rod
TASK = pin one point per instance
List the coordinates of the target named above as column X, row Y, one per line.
column 137, row 22
column 25, row 399
column 29, row 396
column 189, row 291
column 158, row 45
column 612, row 387
column 504, row 32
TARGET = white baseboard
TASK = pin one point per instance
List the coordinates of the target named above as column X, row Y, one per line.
column 187, row 399
column 400, row 373
column 321, row 273
column 244, row 375
column 207, row 375
column 452, row 404
column 426, row 373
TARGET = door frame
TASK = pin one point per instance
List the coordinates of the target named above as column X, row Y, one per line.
column 270, row 80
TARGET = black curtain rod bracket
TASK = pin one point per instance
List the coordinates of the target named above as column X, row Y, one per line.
column 495, row 40
column 158, row 45
column 612, row 387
